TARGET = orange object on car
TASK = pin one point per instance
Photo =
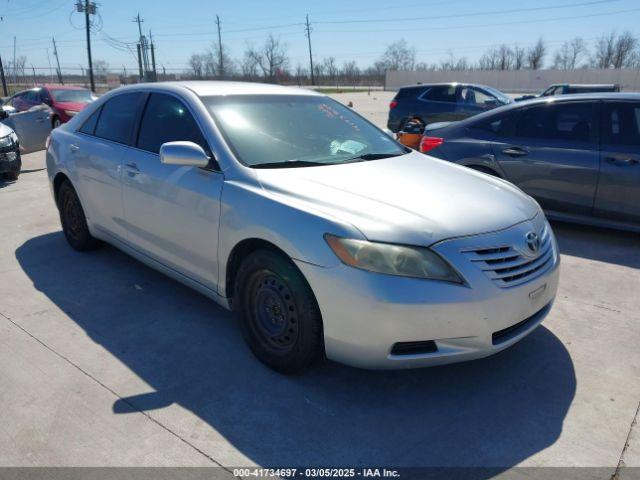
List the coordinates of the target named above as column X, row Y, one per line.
column 411, row 133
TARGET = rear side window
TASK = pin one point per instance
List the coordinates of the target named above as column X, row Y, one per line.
column 441, row 94
column 557, row 121
column 117, row 118
column 167, row 119
column 89, row 126
column 409, row 93
column 621, row 123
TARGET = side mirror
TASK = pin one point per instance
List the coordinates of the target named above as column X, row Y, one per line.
column 6, row 111
column 184, row 154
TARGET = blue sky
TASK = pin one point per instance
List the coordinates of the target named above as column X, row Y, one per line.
column 354, row 30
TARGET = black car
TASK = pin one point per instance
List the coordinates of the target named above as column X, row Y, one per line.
column 577, row 155
column 569, row 88
column 440, row 102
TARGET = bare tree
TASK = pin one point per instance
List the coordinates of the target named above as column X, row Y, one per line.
column 351, row 72
column 100, row 67
column 505, row 57
column 271, row 58
column 301, row 74
column 535, row 55
column 623, row 53
column 399, row 56
column 569, row 54
column 604, row 51
column 331, row 69
column 222, row 63
column 489, row 60
column 196, row 63
column 519, row 55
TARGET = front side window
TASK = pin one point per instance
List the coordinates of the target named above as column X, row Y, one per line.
column 117, row 119
column 475, row 96
column 290, row 130
column 557, row 121
column 621, row 123
column 166, row 119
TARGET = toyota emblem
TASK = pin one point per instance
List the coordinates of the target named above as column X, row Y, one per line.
column 533, row 241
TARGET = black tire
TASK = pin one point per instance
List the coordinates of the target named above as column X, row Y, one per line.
column 73, row 220
column 55, row 122
column 278, row 312
column 12, row 176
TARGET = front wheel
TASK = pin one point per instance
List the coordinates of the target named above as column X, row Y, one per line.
column 12, row 176
column 278, row 313
column 73, row 220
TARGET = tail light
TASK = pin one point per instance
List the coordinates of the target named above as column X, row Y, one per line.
column 429, row 143
column 393, row 104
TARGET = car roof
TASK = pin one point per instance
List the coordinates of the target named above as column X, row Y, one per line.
column 555, row 99
column 585, row 85
column 207, row 88
column 444, row 84
column 48, row 86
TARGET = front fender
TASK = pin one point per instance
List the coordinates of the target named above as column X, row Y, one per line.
column 249, row 212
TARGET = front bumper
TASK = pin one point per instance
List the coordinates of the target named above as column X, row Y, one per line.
column 365, row 314
column 10, row 160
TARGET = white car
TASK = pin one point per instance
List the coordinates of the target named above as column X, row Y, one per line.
column 326, row 236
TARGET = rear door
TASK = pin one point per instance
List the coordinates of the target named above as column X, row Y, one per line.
column 618, row 196
column 439, row 103
column 98, row 152
column 553, row 155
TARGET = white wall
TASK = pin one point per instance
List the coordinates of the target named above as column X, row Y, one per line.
column 518, row 80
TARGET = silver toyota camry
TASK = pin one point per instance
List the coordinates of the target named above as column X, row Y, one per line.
column 324, row 235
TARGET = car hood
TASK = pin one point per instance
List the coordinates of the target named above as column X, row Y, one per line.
column 72, row 106
column 4, row 130
column 413, row 199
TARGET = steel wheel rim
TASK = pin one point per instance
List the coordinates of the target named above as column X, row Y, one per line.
column 275, row 315
column 72, row 217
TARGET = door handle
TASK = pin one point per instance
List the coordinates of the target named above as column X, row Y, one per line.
column 132, row 166
column 74, row 148
column 515, row 151
column 622, row 161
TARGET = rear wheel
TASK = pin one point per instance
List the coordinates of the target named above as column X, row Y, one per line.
column 74, row 222
column 56, row 122
column 278, row 313
column 12, row 175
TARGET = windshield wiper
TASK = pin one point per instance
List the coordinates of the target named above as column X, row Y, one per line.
column 288, row 164
column 372, row 156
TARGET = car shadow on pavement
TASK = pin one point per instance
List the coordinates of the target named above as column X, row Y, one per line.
column 493, row 412
column 601, row 244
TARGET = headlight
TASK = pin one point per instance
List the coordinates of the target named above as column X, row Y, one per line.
column 401, row 260
column 8, row 140
column 71, row 113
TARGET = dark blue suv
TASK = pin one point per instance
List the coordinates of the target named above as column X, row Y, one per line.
column 442, row 102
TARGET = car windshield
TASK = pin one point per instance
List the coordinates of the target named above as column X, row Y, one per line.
column 498, row 94
column 297, row 130
column 72, row 96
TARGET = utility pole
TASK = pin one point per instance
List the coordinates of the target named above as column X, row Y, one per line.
column 153, row 58
column 140, row 61
column 89, row 8
column 220, row 53
column 55, row 54
column 4, row 80
column 143, row 58
column 15, row 67
column 34, row 74
column 308, row 33
column 50, row 69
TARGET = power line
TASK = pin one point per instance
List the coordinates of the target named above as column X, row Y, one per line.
column 474, row 14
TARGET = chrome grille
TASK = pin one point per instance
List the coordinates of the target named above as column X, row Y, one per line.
column 511, row 265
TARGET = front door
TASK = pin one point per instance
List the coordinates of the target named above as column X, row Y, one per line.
column 618, row 196
column 552, row 154
column 32, row 127
column 172, row 212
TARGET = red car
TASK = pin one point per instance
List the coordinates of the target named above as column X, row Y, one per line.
column 65, row 101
